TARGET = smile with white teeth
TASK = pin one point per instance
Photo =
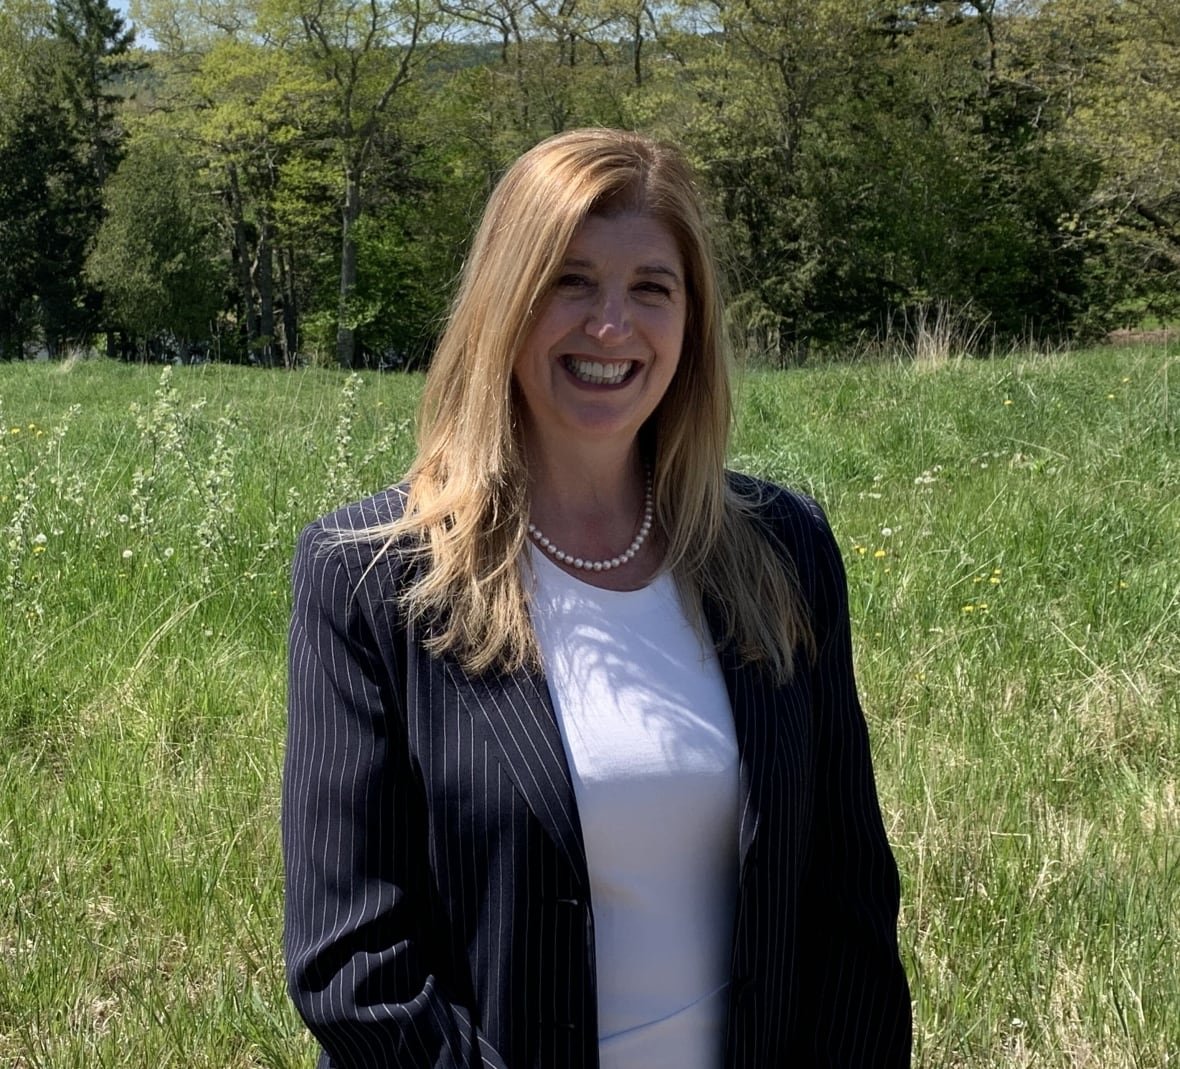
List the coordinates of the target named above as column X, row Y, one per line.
column 598, row 373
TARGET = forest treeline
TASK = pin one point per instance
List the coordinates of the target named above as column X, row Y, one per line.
column 282, row 181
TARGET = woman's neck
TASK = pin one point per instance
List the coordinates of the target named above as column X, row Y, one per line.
column 591, row 506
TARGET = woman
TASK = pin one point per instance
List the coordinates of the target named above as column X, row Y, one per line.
column 576, row 770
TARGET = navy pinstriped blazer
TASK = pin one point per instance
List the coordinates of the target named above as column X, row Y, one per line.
column 438, row 910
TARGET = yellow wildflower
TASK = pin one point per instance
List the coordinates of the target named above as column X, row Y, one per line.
column 880, row 553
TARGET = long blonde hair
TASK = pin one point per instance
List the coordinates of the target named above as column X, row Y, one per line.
column 467, row 508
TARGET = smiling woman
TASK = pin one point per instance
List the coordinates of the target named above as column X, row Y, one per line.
column 600, row 796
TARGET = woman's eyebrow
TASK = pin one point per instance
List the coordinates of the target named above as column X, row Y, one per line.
column 642, row 269
column 658, row 269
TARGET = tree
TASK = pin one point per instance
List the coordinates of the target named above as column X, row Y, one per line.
column 155, row 258
column 40, row 229
column 1116, row 64
column 364, row 53
column 95, row 44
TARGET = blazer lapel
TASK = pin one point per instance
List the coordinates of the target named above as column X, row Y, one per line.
column 749, row 724
column 514, row 714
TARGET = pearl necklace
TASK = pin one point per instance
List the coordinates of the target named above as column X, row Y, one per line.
column 628, row 554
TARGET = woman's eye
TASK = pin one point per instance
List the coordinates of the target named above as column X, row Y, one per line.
column 655, row 288
column 572, row 281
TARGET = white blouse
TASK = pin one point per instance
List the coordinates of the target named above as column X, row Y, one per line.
column 648, row 733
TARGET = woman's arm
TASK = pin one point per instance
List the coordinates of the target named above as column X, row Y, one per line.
column 356, row 935
column 859, row 1000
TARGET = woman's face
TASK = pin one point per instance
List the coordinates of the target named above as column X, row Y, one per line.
column 606, row 340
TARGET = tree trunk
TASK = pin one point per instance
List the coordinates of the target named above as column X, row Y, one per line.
column 241, row 256
column 290, row 309
column 345, row 334
column 266, row 323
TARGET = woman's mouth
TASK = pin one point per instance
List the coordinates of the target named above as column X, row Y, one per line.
column 597, row 372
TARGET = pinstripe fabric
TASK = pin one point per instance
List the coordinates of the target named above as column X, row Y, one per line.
column 438, row 908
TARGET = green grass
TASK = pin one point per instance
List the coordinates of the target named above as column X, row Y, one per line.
column 1010, row 529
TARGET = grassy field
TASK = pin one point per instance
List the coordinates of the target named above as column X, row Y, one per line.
column 1011, row 530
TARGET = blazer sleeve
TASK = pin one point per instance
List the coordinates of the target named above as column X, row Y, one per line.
column 356, row 933
column 859, row 1003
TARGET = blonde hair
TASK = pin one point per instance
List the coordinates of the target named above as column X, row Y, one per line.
column 467, row 508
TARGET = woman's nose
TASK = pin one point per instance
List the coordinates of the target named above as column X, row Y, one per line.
column 609, row 321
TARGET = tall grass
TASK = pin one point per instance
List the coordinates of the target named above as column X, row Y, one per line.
column 1010, row 530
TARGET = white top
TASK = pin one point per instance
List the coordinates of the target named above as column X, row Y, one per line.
column 648, row 733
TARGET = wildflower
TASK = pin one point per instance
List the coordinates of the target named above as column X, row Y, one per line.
column 968, row 608
column 886, row 532
column 920, row 677
column 15, row 430
column 39, row 539
column 168, row 552
column 123, row 517
column 880, row 553
column 127, row 554
column 38, row 549
column 977, row 579
column 994, row 580
column 1122, row 584
column 861, row 550
column 1126, row 380
column 1007, row 400
column 1110, row 396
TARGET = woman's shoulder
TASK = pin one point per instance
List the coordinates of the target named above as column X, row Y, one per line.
column 359, row 518
column 778, row 506
column 353, row 537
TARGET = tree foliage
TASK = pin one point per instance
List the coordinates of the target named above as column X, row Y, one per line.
column 326, row 159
